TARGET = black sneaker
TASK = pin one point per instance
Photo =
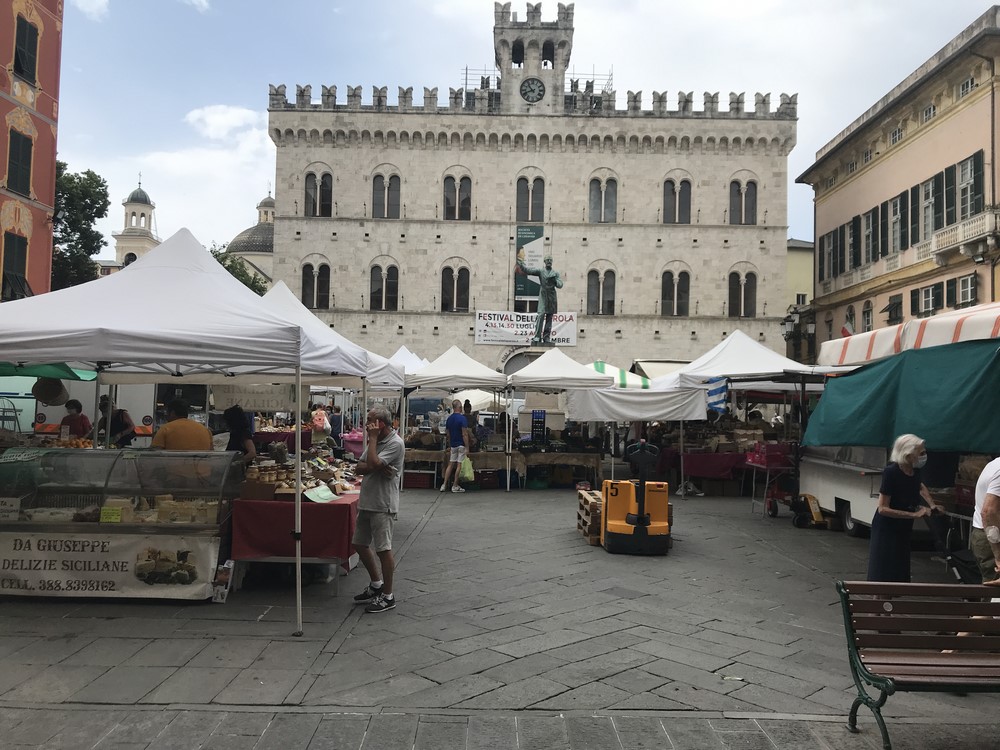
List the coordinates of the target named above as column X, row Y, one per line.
column 381, row 604
column 369, row 594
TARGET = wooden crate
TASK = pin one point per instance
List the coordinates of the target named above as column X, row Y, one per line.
column 588, row 515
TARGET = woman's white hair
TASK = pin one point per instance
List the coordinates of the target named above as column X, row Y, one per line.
column 904, row 448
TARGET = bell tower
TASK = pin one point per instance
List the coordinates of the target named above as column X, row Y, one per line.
column 137, row 237
column 532, row 57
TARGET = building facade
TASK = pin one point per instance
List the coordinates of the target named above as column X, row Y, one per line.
column 905, row 196
column 30, row 58
column 400, row 224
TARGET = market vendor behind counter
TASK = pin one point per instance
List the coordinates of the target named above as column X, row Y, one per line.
column 181, row 433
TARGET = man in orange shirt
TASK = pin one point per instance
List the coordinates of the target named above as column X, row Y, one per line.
column 181, row 433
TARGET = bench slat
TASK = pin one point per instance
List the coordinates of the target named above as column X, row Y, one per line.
column 925, row 607
column 927, row 642
column 905, row 680
column 930, row 658
column 958, row 591
column 896, row 670
column 956, row 624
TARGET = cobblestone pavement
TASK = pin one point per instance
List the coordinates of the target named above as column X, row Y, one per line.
column 510, row 632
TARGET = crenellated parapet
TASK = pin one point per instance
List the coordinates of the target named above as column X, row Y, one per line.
column 578, row 102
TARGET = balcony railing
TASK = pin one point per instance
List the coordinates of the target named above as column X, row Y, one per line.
column 974, row 229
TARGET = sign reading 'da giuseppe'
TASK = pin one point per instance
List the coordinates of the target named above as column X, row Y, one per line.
column 126, row 565
column 505, row 328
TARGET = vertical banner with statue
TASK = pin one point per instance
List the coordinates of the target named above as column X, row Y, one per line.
column 530, row 245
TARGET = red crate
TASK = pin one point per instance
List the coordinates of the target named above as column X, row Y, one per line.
column 418, row 480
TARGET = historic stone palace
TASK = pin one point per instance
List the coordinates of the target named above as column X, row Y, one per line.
column 400, row 223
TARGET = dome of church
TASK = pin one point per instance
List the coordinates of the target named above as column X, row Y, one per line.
column 256, row 239
column 139, row 196
column 267, row 202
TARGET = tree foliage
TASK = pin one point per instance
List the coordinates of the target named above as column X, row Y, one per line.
column 239, row 269
column 81, row 199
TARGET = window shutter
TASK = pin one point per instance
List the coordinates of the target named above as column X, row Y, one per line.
column 950, row 197
column 842, row 242
column 977, row 182
column 937, row 295
column 915, row 215
column 884, row 230
column 875, row 243
column 951, row 292
column 904, row 220
column 821, row 261
column 856, row 241
column 835, row 255
column 975, row 287
column 938, row 201
column 914, row 302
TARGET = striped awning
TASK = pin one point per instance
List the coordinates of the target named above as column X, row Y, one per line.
column 623, row 378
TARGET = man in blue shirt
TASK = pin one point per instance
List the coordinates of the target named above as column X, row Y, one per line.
column 457, row 429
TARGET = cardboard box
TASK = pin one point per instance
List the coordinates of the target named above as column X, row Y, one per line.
column 258, row 490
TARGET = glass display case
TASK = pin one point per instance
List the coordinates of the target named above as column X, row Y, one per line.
column 117, row 488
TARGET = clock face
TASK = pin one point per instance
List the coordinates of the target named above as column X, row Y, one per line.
column 532, row 90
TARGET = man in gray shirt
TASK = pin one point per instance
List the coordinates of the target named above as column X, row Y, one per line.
column 380, row 466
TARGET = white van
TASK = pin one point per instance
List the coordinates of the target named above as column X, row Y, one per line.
column 845, row 480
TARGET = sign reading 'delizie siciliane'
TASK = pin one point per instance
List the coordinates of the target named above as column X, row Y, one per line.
column 127, row 565
column 513, row 328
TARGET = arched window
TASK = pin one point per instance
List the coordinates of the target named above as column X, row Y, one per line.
column 323, row 288
column 742, row 295
column 129, row 259
column 603, row 201
column 593, row 293
column 677, row 202
column 849, row 321
column 447, row 290
column 608, row 294
column 742, row 202
column 308, row 286
column 133, row 219
column 517, row 54
column 450, row 202
column 867, row 317
column 735, row 297
column 750, row 296
column 675, row 293
column 326, row 195
column 735, row 203
column 385, row 197
column 310, row 197
column 530, row 199
column 548, row 54
column 392, row 288
column 142, row 220
column 376, row 297
column 454, row 290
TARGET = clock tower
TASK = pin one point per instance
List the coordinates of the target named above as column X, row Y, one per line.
column 532, row 57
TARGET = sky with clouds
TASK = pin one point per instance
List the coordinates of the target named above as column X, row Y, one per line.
column 177, row 89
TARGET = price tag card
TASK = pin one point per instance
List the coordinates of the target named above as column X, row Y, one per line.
column 321, row 494
column 111, row 515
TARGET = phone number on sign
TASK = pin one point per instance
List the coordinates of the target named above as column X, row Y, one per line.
column 75, row 585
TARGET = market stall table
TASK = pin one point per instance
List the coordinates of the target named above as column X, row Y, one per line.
column 481, row 460
column 262, row 531
column 287, row 437
column 591, row 461
column 713, row 465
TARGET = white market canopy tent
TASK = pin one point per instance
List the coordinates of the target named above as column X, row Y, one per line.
column 623, row 378
column 454, row 370
column 967, row 324
column 409, row 361
column 736, row 357
column 343, row 357
column 617, row 405
column 175, row 312
column 481, row 400
column 554, row 371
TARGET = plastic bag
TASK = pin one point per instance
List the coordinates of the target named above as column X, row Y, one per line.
column 465, row 472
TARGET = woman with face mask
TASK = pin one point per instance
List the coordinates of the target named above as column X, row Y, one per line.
column 902, row 499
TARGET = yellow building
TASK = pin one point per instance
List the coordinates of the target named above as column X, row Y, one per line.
column 905, row 196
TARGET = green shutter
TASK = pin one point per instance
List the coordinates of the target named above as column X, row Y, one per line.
column 914, row 302
column 937, row 295
column 938, row 201
column 977, row 182
column 950, row 196
column 884, row 229
column 904, row 220
column 856, row 241
column 951, row 292
column 915, row 215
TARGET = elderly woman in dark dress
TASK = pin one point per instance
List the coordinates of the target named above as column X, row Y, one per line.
column 902, row 499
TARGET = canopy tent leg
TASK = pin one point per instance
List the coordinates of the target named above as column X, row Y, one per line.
column 363, row 414
column 683, row 481
column 404, row 408
column 112, row 402
column 298, row 501
column 97, row 406
column 510, row 429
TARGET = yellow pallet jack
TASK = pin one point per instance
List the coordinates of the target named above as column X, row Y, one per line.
column 814, row 518
column 636, row 515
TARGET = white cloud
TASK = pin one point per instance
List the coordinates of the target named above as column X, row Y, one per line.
column 95, row 10
column 202, row 6
column 219, row 121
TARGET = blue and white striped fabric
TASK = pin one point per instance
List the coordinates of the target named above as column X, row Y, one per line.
column 717, row 394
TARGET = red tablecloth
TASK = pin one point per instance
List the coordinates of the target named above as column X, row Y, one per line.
column 288, row 438
column 263, row 528
column 713, row 465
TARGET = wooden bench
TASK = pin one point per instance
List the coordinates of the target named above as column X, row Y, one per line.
column 917, row 637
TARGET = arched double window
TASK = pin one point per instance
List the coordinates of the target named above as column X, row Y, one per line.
column 319, row 194
column 316, row 286
column 384, row 288
column 603, row 200
column 531, row 199
column 742, row 295
column 867, row 316
column 458, row 199
column 677, row 202
column 385, row 197
column 454, row 290
column 675, row 293
column 743, row 202
column 600, row 292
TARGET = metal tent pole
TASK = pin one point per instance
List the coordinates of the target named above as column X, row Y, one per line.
column 298, row 501
column 683, row 482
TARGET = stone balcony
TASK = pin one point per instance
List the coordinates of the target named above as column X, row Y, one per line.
column 973, row 236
